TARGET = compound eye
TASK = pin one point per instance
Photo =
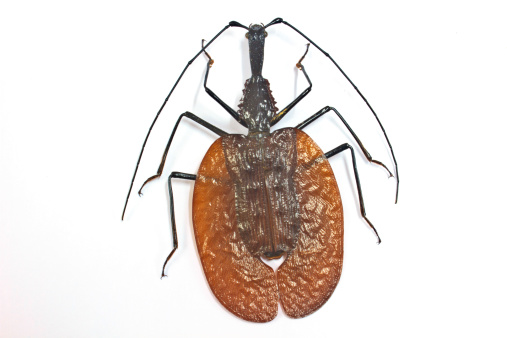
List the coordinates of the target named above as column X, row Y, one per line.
column 247, row 35
column 265, row 34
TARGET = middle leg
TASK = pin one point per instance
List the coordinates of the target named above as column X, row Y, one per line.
column 328, row 109
column 193, row 117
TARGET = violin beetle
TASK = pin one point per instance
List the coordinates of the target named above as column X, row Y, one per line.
column 267, row 194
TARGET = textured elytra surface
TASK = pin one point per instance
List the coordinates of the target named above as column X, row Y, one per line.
column 238, row 278
column 262, row 169
column 242, row 283
column 311, row 272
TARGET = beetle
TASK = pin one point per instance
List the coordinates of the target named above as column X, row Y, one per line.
column 267, row 194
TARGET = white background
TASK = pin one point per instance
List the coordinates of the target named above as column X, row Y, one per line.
column 81, row 82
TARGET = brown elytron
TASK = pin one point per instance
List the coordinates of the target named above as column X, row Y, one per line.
column 256, row 204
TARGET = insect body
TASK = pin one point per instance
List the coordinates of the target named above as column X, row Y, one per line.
column 266, row 195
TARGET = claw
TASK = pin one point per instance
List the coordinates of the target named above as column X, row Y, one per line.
column 148, row 180
column 382, row 165
column 375, row 230
column 167, row 260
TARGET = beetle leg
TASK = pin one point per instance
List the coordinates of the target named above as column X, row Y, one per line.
column 231, row 24
column 280, row 20
column 327, row 109
column 184, row 176
column 211, row 61
column 339, row 149
column 291, row 105
column 193, row 117
column 224, row 105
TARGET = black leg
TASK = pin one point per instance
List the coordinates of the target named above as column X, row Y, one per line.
column 328, row 109
column 191, row 116
column 231, row 24
column 184, row 176
column 280, row 20
column 339, row 149
column 291, row 105
column 224, row 105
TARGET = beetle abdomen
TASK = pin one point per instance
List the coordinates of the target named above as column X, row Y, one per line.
column 244, row 284
column 267, row 210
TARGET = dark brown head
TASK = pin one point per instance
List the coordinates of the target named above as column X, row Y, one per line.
column 256, row 35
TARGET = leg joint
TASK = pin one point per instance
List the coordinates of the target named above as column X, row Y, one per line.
column 177, row 174
column 339, row 149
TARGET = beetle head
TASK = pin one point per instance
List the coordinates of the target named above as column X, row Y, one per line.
column 256, row 36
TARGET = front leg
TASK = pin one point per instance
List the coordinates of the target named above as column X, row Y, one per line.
column 291, row 105
column 224, row 105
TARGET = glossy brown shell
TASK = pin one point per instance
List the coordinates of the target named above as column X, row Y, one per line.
column 244, row 284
